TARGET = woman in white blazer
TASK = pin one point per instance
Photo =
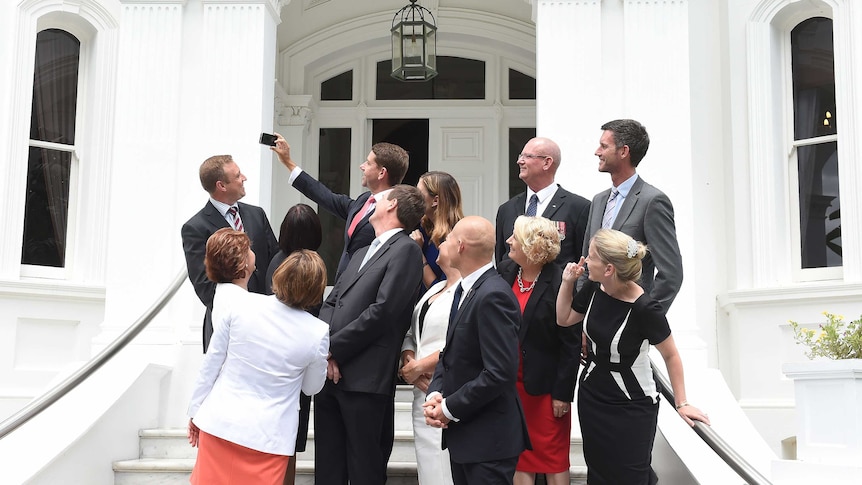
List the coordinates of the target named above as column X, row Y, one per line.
column 419, row 354
column 264, row 349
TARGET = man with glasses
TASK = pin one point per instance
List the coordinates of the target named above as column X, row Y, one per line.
column 538, row 164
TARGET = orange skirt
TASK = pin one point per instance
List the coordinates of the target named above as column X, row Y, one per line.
column 221, row 462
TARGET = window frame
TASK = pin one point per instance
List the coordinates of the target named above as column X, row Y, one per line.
column 64, row 272
column 800, row 274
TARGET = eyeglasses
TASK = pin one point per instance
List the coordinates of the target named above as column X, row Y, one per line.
column 527, row 155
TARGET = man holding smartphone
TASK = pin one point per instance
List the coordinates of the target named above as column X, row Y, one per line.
column 221, row 177
column 384, row 168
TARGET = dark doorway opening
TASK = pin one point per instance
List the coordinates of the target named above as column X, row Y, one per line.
column 411, row 135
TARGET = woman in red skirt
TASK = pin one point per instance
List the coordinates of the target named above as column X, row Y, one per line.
column 264, row 349
column 549, row 353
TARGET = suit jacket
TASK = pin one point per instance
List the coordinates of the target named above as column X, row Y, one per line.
column 647, row 216
column 564, row 208
column 476, row 374
column 368, row 312
column 551, row 353
column 343, row 207
column 262, row 354
column 200, row 227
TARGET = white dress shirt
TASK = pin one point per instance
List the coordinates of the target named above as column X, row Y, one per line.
column 261, row 354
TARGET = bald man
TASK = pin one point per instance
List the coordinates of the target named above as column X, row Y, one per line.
column 472, row 394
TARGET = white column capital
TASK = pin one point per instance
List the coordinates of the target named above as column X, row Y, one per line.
column 293, row 110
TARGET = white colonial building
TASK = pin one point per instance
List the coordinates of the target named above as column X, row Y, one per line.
column 110, row 106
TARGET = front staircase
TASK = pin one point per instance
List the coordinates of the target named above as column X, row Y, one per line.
column 165, row 456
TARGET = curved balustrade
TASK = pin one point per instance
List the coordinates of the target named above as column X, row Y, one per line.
column 733, row 459
column 42, row 402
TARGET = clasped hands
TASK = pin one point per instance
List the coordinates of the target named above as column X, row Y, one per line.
column 433, row 411
column 412, row 372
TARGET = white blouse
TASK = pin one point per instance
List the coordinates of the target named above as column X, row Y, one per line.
column 261, row 354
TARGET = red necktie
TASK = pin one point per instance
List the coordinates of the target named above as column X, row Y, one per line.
column 359, row 215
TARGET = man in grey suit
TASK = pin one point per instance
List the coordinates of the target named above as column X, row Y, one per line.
column 368, row 312
column 636, row 208
column 537, row 166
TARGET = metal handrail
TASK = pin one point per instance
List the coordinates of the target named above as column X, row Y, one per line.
column 41, row 403
column 724, row 451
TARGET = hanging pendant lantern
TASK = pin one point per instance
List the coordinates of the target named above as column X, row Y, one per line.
column 414, row 44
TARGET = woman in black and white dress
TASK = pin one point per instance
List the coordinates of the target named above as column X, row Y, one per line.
column 618, row 398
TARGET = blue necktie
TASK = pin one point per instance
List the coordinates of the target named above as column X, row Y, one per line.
column 534, row 204
column 456, row 301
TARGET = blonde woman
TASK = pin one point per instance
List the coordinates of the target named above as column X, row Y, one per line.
column 618, row 399
column 549, row 353
column 442, row 211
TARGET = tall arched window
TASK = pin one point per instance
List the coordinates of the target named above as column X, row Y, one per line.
column 815, row 142
column 52, row 148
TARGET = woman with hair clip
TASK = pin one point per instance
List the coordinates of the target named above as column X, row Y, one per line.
column 264, row 351
column 618, row 398
column 548, row 363
column 442, row 211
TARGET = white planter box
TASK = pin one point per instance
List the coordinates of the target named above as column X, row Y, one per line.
column 828, row 410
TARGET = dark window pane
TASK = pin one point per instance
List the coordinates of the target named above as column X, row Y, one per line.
column 335, row 174
column 411, row 135
column 457, row 78
column 55, row 87
column 518, row 137
column 813, row 79
column 819, row 205
column 338, row 88
column 46, row 207
column 521, row 86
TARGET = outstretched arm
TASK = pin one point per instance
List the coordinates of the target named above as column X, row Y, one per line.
column 673, row 362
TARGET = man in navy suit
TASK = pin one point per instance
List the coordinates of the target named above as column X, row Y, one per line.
column 222, row 179
column 472, row 395
column 368, row 311
column 384, row 167
column 538, row 165
column 638, row 209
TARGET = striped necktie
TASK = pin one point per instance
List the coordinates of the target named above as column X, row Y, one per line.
column 608, row 218
column 237, row 221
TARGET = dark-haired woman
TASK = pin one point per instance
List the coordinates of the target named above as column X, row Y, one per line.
column 300, row 229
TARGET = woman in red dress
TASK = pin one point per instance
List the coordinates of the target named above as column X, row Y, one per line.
column 549, row 353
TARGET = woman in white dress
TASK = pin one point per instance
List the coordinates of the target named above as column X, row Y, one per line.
column 264, row 349
column 419, row 355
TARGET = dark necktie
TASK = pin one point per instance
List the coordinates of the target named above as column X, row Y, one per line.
column 534, row 204
column 456, row 301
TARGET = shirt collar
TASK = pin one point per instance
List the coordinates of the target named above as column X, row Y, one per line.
column 468, row 281
column 220, row 206
column 626, row 186
column 543, row 194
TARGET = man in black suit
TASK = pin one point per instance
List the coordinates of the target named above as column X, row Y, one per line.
column 538, row 165
column 472, row 395
column 368, row 312
column 636, row 208
column 221, row 178
column 384, row 167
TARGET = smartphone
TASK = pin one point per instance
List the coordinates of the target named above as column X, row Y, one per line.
column 267, row 139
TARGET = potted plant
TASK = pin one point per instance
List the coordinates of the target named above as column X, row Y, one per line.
column 829, row 391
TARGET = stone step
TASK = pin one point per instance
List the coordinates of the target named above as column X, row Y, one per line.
column 165, row 443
